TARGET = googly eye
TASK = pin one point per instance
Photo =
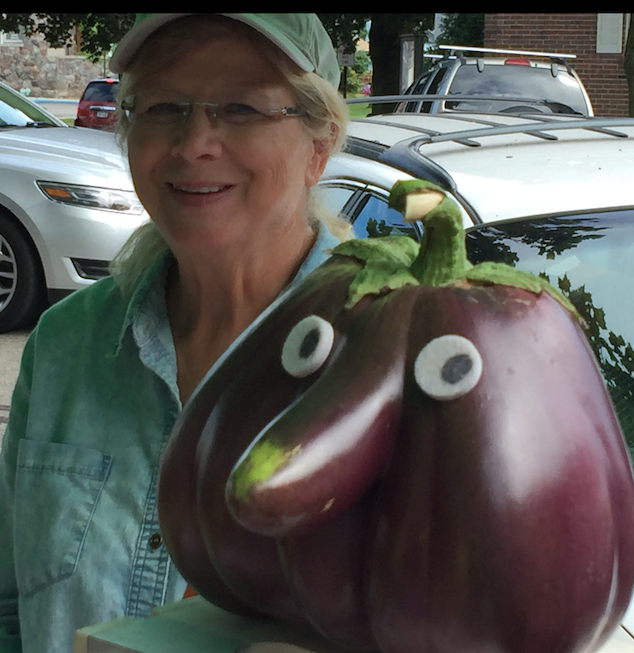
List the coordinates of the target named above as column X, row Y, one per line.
column 448, row 367
column 307, row 346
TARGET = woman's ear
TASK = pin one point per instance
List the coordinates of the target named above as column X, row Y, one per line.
column 322, row 149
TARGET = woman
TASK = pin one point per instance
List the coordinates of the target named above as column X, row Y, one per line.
column 228, row 122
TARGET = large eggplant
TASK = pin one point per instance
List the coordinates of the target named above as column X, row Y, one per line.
column 412, row 454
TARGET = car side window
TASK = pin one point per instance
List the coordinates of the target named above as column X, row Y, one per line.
column 417, row 89
column 333, row 197
column 375, row 218
column 426, row 107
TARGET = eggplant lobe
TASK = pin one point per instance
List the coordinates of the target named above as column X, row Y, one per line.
column 220, row 569
column 505, row 520
column 323, row 453
column 327, row 572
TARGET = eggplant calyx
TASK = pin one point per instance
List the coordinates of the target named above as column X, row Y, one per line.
column 442, row 259
column 386, row 265
column 489, row 272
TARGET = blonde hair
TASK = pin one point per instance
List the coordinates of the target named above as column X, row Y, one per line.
column 326, row 120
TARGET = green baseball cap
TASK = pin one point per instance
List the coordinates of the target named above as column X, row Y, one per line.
column 300, row 36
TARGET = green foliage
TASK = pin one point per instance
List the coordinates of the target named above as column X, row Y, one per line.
column 462, row 29
column 98, row 31
column 613, row 352
column 345, row 29
column 362, row 62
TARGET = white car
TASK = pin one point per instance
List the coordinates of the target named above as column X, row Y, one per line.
column 498, row 167
column 67, row 204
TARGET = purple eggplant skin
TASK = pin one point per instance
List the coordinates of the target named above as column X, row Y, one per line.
column 506, row 520
column 340, row 431
column 327, row 573
column 221, row 571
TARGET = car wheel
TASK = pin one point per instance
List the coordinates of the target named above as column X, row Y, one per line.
column 22, row 288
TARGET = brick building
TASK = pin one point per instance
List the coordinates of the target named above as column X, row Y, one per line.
column 598, row 40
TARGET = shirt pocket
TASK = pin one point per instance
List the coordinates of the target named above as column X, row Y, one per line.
column 56, row 491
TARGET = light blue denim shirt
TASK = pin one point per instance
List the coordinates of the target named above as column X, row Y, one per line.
column 93, row 406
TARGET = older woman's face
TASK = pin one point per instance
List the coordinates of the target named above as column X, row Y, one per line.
column 206, row 185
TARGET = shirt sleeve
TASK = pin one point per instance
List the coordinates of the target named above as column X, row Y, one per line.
column 16, row 428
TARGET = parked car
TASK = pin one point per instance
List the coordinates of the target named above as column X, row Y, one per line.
column 497, row 166
column 97, row 107
column 499, row 81
column 67, row 204
column 549, row 194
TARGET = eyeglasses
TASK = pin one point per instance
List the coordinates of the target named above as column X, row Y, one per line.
column 142, row 111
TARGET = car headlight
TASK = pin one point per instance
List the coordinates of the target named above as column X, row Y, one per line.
column 105, row 199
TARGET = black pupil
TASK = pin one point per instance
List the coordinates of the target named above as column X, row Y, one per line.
column 456, row 368
column 309, row 343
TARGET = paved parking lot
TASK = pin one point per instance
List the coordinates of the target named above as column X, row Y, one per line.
column 11, row 345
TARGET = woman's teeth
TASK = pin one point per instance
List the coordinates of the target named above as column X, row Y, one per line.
column 202, row 189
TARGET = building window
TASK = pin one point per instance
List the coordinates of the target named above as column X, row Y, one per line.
column 10, row 38
column 609, row 33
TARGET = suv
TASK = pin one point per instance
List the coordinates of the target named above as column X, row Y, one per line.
column 505, row 81
column 97, row 106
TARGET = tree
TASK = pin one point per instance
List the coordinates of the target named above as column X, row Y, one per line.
column 462, row 29
column 98, row 31
column 385, row 43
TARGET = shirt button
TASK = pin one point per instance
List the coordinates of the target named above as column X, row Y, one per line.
column 155, row 541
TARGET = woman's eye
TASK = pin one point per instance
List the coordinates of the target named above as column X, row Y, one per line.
column 161, row 109
column 239, row 111
column 307, row 346
column 448, row 367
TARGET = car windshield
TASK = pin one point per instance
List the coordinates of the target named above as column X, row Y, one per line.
column 16, row 112
column 519, row 81
column 591, row 260
column 101, row 92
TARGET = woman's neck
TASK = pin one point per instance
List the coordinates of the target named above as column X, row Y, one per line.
column 211, row 303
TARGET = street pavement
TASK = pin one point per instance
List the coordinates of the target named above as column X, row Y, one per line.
column 66, row 108
column 11, row 345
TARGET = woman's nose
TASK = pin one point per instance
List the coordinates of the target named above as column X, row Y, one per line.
column 198, row 136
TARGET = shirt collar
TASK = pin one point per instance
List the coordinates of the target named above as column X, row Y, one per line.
column 147, row 310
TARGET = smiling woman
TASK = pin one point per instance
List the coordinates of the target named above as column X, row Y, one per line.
column 228, row 121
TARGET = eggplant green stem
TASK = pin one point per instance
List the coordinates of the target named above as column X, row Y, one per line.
column 441, row 259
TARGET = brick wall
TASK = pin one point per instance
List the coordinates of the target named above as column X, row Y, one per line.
column 602, row 74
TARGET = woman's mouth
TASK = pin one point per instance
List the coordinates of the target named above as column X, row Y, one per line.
column 199, row 190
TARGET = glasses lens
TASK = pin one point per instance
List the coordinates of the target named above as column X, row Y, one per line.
column 238, row 113
column 154, row 109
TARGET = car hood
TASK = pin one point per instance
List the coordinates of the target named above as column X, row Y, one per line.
column 72, row 154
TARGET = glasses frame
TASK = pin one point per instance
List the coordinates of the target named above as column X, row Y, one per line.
column 211, row 111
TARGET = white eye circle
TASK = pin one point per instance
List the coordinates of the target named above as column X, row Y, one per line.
column 307, row 346
column 448, row 367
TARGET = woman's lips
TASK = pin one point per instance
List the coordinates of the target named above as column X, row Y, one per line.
column 199, row 190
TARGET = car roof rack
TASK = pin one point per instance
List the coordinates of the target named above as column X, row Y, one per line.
column 539, row 126
column 458, row 52
column 452, row 49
